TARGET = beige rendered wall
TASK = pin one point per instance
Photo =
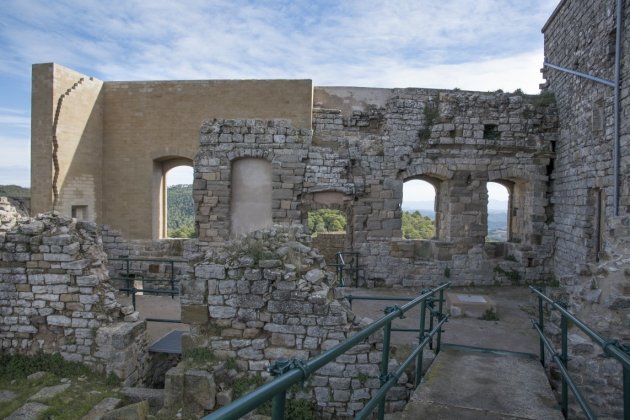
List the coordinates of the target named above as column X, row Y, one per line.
column 41, row 137
column 149, row 122
column 66, row 111
column 250, row 207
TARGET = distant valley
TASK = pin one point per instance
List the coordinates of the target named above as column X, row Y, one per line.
column 497, row 216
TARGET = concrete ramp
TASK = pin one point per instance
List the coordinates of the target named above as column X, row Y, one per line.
column 466, row 383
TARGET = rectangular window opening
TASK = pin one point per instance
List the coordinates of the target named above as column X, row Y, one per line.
column 80, row 212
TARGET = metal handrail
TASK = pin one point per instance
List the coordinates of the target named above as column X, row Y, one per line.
column 611, row 348
column 341, row 264
column 294, row 371
column 132, row 290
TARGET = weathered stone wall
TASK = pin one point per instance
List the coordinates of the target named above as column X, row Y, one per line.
column 56, row 297
column 329, row 244
column 265, row 297
column 161, row 258
column 364, row 156
column 223, row 142
column 591, row 253
column 401, row 134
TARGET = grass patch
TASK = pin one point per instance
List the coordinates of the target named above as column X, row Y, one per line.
column 86, row 388
column 19, row 366
column 247, row 384
column 199, row 356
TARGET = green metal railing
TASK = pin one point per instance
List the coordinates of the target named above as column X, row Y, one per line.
column 340, row 267
column 611, row 348
column 294, row 371
column 430, row 304
column 131, row 289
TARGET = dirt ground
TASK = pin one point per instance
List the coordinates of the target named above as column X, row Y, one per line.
column 512, row 331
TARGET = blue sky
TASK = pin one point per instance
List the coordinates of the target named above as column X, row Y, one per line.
column 476, row 45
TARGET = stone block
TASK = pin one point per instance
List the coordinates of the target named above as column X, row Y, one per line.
column 462, row 304
column 210, row 271
column 194, row 314
column 58, row 320
column 199, row 391
column 135, row 411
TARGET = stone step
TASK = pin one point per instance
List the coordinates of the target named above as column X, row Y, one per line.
column 105, row 406
column 155, row 397
column 28, row 411
column 466, row 384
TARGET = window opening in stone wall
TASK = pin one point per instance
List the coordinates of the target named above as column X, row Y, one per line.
column 328, row 228
column 180, row 213
column 491, row 132
column 326, row 221
column 80, row 212
column 498, row 212
column 418, row 210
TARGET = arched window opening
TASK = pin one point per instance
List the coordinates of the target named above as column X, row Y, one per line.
column 498, row 212
column 180, row 209
column 419, row 208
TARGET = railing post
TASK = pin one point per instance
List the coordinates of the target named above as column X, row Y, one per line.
column 423, row 307
column 172, row 279
column 356, row 269
column 430, row 299
column 385, row 361
column 277, row 406
column 439, row 334
column 626, row 393
column 541, row 324
column 127, row 278
column 339, row 269
column 564, row 359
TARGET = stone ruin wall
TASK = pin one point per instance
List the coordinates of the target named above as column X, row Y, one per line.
column 266, row 297
column 594, row 279
column 56, row 296
column 160, row 252
column 360, row 158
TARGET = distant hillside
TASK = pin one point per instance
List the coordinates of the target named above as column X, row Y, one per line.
column 181, row 217
column 14, row 191
column 427, row 206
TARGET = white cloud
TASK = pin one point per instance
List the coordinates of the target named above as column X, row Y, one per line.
column 482, row 45
column 15, row 120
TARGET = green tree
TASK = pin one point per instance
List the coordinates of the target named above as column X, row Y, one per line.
column 417, row 226
column 181, row 217
column 326, row 220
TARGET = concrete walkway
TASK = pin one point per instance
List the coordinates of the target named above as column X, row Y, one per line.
column 467, row 384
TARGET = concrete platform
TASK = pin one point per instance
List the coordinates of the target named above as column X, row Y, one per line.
column 466, row 384
column 467, row 304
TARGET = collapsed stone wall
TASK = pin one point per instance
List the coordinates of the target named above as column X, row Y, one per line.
column 162, row 259
column 265, row 297
column 56, row 297
column 329, row 244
